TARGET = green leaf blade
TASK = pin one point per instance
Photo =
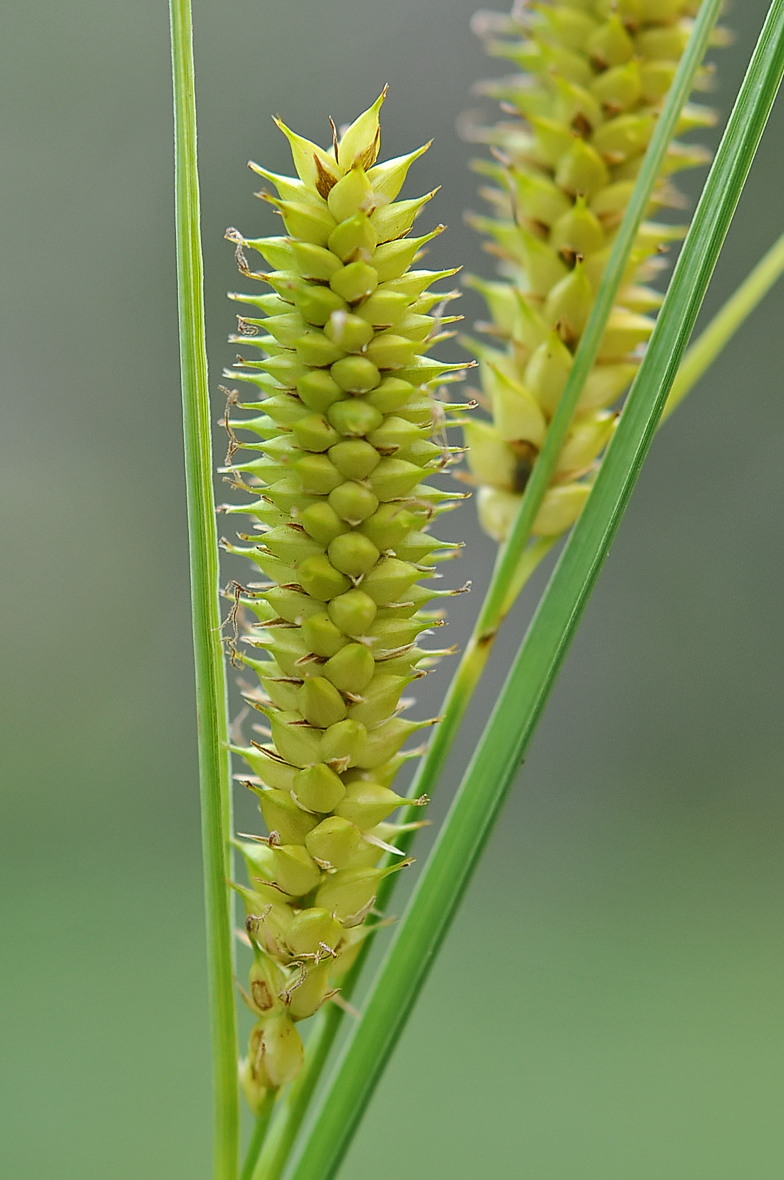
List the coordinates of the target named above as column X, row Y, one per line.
column 214, row 770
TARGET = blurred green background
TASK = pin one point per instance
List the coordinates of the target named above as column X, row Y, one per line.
column 609, row 1003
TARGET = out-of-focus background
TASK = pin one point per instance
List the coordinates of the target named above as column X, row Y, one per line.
column 609, row 1002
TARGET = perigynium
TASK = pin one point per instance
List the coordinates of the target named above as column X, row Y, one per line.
column 343, row 432
column 595, row 76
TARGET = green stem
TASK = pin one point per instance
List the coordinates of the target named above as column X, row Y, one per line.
column 214, row 772
column 497, row 759
column 725, row 324
column 259, row 1134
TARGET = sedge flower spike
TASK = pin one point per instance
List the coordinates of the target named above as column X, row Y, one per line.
column 595, row 76
column 339, row 440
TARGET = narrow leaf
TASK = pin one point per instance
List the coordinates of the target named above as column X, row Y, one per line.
column 214, row 774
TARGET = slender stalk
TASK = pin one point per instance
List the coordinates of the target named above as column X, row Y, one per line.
column 259, row 1135
column 214, row 773
column 497, row 759
column 725, row 324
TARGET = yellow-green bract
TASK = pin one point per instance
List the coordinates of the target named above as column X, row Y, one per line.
column 596, row 73
column 340, row 445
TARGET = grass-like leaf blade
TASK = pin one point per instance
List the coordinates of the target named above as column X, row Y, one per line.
column 214, row 772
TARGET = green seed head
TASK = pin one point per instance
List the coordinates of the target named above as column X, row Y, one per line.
column 351, row 195
column 317, row 475
column 353, row 502
column 380, row 698
column 314, row 262
column 318, row 391
column 353, row 239
column 320, row 703
column 321, row 522
column 595, row 76
column 355, row 417
column 350, row 332
column 355, row 281
column 294, row 739
column 321, row 637
column 267, row 922
column 294, row 870
column 344, row 742
column 354, row 459
column 389, row 579
column 356, row 374
column 384, row 308
column 314, row 348
column 319, row 578
column 317, row 304
column 341, row 509
column 253, row 1078
column 350, row 893
column 353, row 554
column 311, row 991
